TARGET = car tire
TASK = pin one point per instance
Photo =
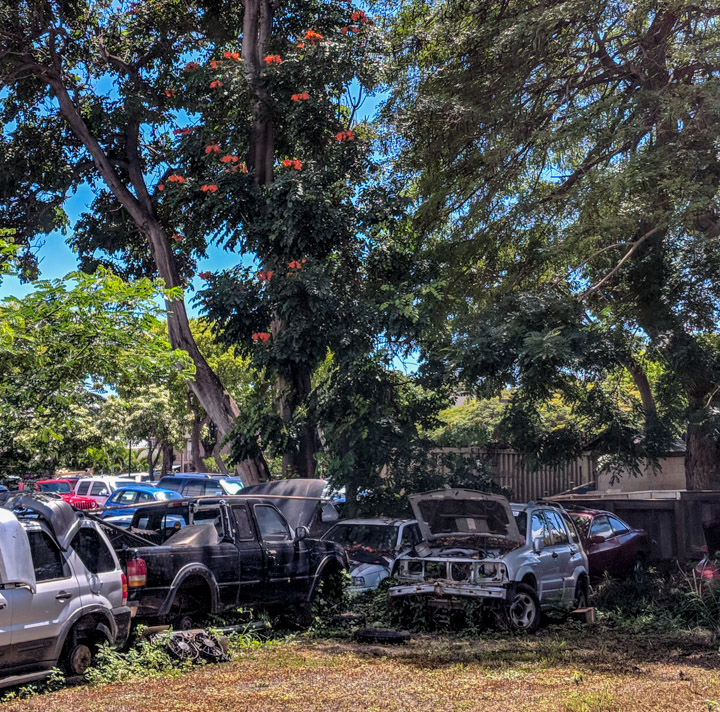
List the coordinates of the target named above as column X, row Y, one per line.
column 523, row 609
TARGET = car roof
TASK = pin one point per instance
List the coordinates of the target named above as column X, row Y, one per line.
column 139, row 487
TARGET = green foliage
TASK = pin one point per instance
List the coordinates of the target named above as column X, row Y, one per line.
column 61, row 347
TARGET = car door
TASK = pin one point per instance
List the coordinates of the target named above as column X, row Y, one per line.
column 601, row 553
column 251, row 556
column 6, row 627
column 96, row 569
column 564, row 553
column 547, row 568
column 38, row 619
column 286, row 560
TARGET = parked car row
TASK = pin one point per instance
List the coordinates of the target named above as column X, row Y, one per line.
column 161, row 557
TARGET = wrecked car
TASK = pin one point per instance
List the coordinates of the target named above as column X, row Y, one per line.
column 190, row 558
column 520, row 559
column 62, row 591
column 372, row 547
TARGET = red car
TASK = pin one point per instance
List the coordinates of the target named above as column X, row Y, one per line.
column 611, row 544
column 64, row 489
column 707, row 572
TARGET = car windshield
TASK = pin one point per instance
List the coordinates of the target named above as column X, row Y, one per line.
column 59, row 487
column 521, row 521
column 371, row 536
column 232, row 485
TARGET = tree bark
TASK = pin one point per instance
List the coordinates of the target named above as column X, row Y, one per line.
column 702, row 457
column 168, row 458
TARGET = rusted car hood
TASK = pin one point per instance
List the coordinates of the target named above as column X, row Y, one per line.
column 298, row 512
column 451, row 513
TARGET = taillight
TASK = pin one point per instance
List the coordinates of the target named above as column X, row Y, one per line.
column 124, row 589
column 136, row 573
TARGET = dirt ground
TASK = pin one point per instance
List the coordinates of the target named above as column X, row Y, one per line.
column 562, row 669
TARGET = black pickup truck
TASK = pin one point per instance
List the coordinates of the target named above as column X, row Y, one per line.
column 186, row 559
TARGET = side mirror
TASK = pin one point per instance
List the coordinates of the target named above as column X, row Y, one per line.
column 538, row 544
column 597, row 539
column 301, row 533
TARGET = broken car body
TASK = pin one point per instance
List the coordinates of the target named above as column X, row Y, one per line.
column 523, row 558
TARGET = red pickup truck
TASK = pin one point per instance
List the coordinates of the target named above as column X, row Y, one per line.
column 62, row 488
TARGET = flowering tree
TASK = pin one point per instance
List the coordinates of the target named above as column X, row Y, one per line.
column 198, row 122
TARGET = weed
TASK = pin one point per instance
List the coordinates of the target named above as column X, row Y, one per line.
column 596, row 701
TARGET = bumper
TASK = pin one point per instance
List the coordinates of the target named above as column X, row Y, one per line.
column 123, row 619
column 449, row 588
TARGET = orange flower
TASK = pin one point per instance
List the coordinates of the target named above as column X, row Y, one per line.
column 213, row 64
column 304, row 96
column 261, row 336
column 358, row 15
column 271, row 59
column 313, row 37
column 345, row 135
column 169, row 92
column 209, row 188
column 297, row 165
column 204, row 275
column 229, row 159
column 161, row 187
column 226, row 55
column 270, row 273
column 177, row 237
column 216, row 84
column 301, row 45
column 296, row 264
column 175, row 178
column 354, row 28
column 212, row 148
column 343, row 30
column 265, row 275
column 287, row 163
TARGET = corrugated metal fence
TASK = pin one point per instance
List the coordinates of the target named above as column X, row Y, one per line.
column 528, row 484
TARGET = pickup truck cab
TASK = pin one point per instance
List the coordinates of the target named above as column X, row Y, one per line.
column 62, row 591
column 190, row 558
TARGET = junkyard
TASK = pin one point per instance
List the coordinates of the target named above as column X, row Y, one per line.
column 360, row 355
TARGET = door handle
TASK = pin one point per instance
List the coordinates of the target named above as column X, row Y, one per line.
column 63, row 596
column 3, row 605
column 554, row 554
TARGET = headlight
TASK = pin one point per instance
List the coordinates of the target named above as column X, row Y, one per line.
column 359, row 581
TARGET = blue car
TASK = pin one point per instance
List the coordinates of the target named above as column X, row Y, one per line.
column 133, row 494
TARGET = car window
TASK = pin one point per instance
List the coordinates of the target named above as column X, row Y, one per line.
column 194, row 488
column 124, row 497
column 570, row 526
column 173, row 483
column 144, row 497
column 210, row 514
column 98, row 488
column 557, row 529
column 93, row 551
column 601, row 527
column 521, row 523
column 619, row 527
column 82, row 488
column 212, row 487
column 582, row 524
column 272, row 526
column 47, row 560
column 539, row 529
column 243, row 527
column 410, row 536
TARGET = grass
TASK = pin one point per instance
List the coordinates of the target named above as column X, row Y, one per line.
column 565, row 668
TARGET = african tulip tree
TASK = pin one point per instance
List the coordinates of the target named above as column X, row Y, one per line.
column 192, row 122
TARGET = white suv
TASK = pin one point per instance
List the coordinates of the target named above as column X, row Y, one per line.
column 62, row 591
column 100, row 488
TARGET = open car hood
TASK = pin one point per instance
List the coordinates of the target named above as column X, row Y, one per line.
column 458, row 512
column 58, row 514
column 297, row 512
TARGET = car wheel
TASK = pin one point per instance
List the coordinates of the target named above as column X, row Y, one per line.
column 523, row 610
column 79, row 659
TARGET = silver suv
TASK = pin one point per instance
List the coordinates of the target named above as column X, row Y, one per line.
column 524, row 558
column 62, row 591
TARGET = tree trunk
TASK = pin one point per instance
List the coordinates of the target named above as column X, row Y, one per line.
column 702, row 446
column 168, row 458
column 196, row 448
